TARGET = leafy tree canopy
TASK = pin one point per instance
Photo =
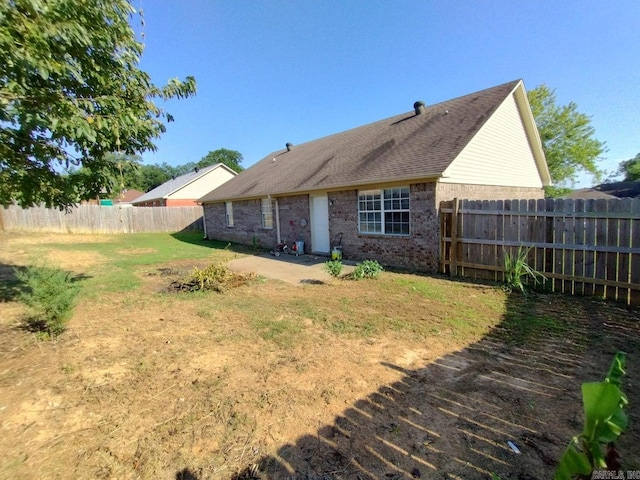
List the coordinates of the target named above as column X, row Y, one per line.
column 230, row 158
column 71, row 92
column 130, row 173
column 567, row 137
column 630, row 168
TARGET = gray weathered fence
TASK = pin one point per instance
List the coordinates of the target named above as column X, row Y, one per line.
column 586, row 247
column 102, row 219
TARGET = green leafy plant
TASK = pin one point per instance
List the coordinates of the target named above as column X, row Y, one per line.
column 333, row 268
column 51, row 295
column 516, row 269
column 367, row 269
column 604, row 421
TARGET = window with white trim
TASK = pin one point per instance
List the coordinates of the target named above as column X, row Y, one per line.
column 229, row 213
column 267, row 213
column 384, row 212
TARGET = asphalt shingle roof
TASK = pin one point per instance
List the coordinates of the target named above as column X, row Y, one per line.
column 170, row 186
column 628, row 189
column 403, row 147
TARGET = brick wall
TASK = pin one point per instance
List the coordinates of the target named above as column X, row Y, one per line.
column 449, row 191
column 419, row 250
column 247, row 217
column 294, row 213
column 152, row 203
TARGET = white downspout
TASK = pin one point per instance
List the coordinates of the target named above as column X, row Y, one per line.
column 204, row 220
column 277, row 222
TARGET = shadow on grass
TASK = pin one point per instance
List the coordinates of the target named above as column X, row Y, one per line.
column 186, row 474
column 10, row 286
column 454, row 417
column 197, row 239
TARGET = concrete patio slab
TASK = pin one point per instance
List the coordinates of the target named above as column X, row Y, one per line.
column 296, row 270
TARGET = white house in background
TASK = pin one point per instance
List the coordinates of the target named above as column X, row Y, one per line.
column 185, row 190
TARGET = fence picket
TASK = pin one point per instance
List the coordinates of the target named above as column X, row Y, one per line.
column 102, row 219
column 583, row 247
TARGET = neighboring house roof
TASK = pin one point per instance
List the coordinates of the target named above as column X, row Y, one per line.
column 629, row 189
column 588, row 194
column 128, row 195
column 170, row 187
column 405, row 147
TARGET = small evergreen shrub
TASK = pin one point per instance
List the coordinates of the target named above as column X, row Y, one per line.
column 51, row 295
column 367, row 269
column 333, row 267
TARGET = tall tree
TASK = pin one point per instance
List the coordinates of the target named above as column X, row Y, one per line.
column 230, row 158
column 70, row 93
column 567, row 137
column 152, row 176
column 630, row 168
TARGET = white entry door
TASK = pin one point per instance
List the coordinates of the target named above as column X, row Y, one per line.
column 320, row 224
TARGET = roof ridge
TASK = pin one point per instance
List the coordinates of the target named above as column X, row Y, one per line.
column 403, row 146
column 427, row 108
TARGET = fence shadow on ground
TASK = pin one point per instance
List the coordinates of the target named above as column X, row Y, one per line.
column 454, row 417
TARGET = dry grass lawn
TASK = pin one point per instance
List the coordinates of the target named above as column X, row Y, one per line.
column 404, row 376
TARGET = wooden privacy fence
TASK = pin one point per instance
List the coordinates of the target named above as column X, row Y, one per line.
column 583, row 247
column 102, row 219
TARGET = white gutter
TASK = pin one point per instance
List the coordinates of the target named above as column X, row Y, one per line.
column 277, row 222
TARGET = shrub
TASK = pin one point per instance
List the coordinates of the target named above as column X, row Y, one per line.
column 51, row 294
column 333, row 267
column 215, row 277
column 367, row 269
column 516, row 269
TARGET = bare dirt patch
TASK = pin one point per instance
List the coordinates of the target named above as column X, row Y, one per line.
column 350, row 380
column 74, row 261
column 50, row 238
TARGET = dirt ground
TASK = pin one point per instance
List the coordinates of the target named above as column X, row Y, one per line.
column 159, row 386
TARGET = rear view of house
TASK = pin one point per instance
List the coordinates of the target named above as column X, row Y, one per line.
column 185, row 190
column 376, row 188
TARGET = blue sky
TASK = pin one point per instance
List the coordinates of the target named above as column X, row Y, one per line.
column 272, row 72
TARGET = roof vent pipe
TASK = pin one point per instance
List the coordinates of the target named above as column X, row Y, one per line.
column 419, row 107
column 289, row 146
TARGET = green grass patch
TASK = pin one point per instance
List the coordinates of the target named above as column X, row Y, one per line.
column 283, row 332
column 423, row 288
column 353, row 329
column 123, row 256
column 522, row 324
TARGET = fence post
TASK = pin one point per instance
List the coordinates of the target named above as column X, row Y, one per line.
column 453, row 269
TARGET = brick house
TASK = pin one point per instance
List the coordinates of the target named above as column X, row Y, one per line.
column 378, row 186
column 185, row 190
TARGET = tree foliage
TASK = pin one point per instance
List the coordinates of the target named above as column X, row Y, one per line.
column 71, row 93
column 230, row 158
column 130, row 173
column 567, row 137
column 630, row 168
